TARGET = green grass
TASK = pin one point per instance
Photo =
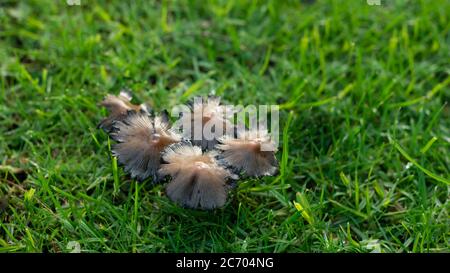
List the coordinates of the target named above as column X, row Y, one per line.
column 365, row 160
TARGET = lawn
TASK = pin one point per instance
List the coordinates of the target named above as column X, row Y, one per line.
column 364, row 148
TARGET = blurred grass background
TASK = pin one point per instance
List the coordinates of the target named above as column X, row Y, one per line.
column 365, row 122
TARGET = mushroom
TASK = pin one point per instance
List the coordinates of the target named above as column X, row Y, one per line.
column 141, row 139
column 118, row 106
column 252, row 152
column 206, row 122
column 198, row 181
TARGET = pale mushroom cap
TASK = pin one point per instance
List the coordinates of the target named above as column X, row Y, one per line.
column 245, row 153
column 118, row 106
column 197, row 180
column 207, row 122
column 140, row 144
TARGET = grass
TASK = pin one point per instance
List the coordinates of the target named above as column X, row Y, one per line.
column 364, row 159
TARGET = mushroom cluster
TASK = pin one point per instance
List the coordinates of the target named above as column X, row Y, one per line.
column 200, row 171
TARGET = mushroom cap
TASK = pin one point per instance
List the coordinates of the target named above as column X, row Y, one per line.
column 207, row 122
column 141, row 140
column 252, row 152
column 197, row 180
column 118, row 106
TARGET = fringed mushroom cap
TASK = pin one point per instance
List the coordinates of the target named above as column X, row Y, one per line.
column 118, row 106
column 197, row 180
column 141, row 140
column 205, row 120
column 252, row 152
